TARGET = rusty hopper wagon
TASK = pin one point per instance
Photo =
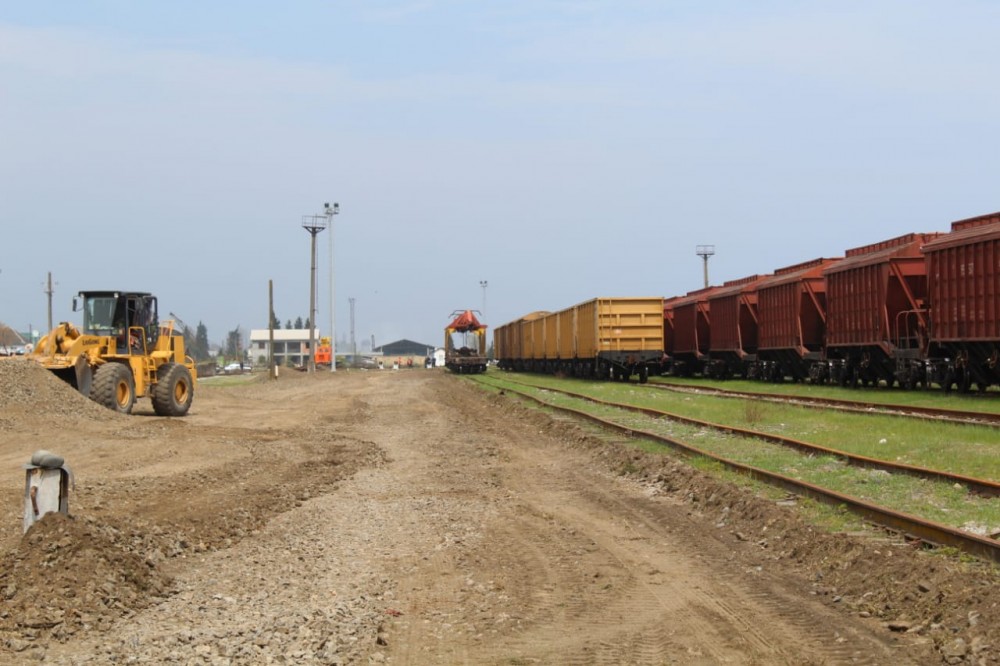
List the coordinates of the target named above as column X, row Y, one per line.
column 465, row 344
column 734, row 325
column 690, row 323
column 963, row 274
column 605, row 338
column 876, row 317
column 792, row 309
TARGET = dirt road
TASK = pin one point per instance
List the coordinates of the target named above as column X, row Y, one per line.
column 404, row 517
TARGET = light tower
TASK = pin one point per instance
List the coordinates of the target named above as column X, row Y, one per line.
column 484, row 284
column 705, row 251
column 328, row 212
column 313, row 224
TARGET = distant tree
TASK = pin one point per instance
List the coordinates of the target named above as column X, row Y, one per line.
column 298, row 322
column 200, row 348
column 306, row 325
column 275, row 322
column 288, row 324
column 233, row 343
column 188, row 336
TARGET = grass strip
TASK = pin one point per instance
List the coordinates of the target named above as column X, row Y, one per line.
column 932, row 500
column 969, row 450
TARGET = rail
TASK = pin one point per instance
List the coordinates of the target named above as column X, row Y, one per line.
column 984, row 487
column 912, row 527
column 987, row 419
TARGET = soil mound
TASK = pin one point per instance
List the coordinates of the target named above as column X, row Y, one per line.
column 69, row 575
column 26, row 388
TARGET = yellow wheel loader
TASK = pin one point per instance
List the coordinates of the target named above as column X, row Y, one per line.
column 122, row 352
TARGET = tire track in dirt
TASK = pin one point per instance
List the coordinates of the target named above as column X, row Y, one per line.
column 407, row 518
column 658, row 597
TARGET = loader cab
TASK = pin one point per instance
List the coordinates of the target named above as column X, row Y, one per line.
column 129, row 317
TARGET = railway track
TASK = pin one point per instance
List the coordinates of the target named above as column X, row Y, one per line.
column 987, row 419
column 911, row 527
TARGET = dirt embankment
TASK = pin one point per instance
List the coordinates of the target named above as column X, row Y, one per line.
column 402, row 517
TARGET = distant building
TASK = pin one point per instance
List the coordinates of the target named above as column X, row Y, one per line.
column 405, row 348
column 404, row 354
column 291, row 345
column 11, row 342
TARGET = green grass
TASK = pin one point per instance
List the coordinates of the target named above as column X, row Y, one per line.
column 932, row 500
column 974, row 402
column 969, row 450
column 222, row 381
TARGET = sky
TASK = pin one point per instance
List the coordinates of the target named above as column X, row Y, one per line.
column 504, row 157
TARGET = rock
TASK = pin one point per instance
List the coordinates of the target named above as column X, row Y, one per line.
column 954, row 651
column 18, row 645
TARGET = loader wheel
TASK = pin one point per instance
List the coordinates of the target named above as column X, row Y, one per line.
column 114, row 387
column 174, row 390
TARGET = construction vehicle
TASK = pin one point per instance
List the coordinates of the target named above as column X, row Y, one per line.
column 324, row 352
column 121, row 353
column 465, row 344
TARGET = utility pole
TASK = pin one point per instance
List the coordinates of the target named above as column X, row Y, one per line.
column 354, row 346
column 272, row 370
column 49, row 291
column 705, row 251
column 313, row 224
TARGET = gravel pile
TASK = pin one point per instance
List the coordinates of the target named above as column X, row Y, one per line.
column 70, row 575
column 28, row 388
column 304, row 594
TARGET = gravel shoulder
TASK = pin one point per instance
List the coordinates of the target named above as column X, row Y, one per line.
column 405, row 517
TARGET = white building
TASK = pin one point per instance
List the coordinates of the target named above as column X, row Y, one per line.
column 291, row 346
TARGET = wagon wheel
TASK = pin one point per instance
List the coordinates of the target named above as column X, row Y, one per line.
column 965, row 382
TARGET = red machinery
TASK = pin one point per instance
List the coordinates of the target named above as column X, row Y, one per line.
column 465, row 344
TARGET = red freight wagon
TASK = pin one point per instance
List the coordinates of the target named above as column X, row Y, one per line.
column 963, row 272
column 668, row 328
column 692, row 331
column 791, row 308
column 876, row 318
column 733, row 347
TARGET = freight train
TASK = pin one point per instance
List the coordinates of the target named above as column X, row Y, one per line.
column 603, row 338
column 918, row 310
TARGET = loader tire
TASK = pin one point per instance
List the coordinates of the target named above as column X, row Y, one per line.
column 114, row 387
column 174, row 390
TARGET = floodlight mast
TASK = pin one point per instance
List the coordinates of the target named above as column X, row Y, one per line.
column 328, row 212
column 313, row 224
column 705, row 251
column 483, row 284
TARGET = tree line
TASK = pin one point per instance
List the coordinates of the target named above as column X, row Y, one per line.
column 197, row 346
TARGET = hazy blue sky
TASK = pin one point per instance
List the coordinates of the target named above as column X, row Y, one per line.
column 558, row 150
